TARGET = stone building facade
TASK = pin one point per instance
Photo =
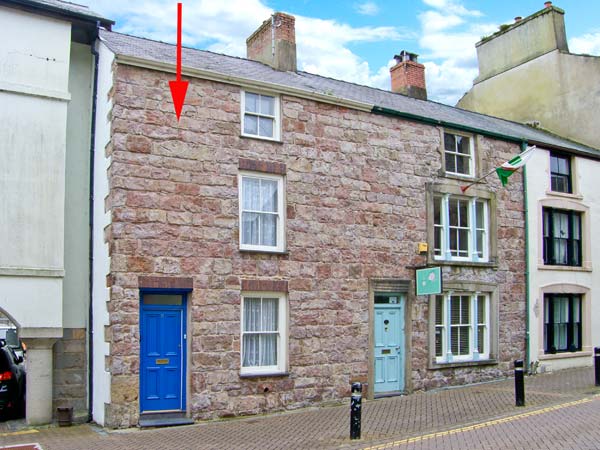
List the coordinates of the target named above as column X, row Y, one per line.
column 305, row 207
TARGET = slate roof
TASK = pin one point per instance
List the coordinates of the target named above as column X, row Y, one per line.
column 63, row 8
column 131, row 46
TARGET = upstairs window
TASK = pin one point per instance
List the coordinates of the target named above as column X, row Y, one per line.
column 560, row 173
column 458, row 154
column 461, row 228
column 260, row 115
column 562, row 237
column 261, row 212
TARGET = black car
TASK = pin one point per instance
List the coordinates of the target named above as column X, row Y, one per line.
column 12, row 383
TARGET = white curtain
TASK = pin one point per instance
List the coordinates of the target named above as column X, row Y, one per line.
column 561, row 233
column 261, row 321
column 259, row 208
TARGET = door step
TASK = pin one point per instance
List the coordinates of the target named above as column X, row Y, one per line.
column 167, row 419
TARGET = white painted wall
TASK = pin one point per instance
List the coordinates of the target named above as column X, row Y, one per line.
column 34, row 76
column 101, row 219
column 587, row 197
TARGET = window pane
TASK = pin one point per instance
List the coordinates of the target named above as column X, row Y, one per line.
column 553, row 164
column 479, row 214
column 268, row 194
column 576, row 226
column 250, row 124
column 450, row 162
column 437, row 241
column 267, row 105
column 270, row 308
column 480, row 236
column 251, row 102
column 439, row 310
column 268, row 349
column 265, row 126
column 463, row 242
column 563, row 166
column 437, row 218
column 251, row 194
column 453, row 212
column 481, row 313
column 463, row 145
column 251, row 314
column 463, row 165
column 463, row 213
column 268, row 230
column 250, row 228
column 250, row 346
column 481, row 330
column 449, row 142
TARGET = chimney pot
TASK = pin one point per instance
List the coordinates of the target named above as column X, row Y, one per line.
column 274, row 42
column 547, row 4
column 408, row 76
column 518, row 19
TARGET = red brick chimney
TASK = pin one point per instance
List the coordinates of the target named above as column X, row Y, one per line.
column 274, row 43
column 408, row 76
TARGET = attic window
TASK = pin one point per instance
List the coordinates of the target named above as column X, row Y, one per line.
column 260, row 115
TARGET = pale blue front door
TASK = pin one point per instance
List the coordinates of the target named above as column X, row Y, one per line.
column 162, row 358
column 389, row 343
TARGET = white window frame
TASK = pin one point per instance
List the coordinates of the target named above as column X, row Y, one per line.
column 282, row 340
column 474, row 322
column 280, row 247
column 275, row 117
column 472, row 252
column 471, row 154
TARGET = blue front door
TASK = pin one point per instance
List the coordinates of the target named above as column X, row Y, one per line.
column 162, row 362
column 389, row 343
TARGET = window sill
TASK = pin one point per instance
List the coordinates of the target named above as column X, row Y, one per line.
column 584, row 268
column 445, row 262
column 458, row 177
column 456, row 364
column 262, row 139
column 564, row 355
column 264, row 375
column 267, row 252
column 564, row 195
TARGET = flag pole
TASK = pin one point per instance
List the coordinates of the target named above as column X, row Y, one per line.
column 464, row 188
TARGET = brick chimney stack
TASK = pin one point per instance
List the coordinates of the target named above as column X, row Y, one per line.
column 408, row 76
column 274, row 43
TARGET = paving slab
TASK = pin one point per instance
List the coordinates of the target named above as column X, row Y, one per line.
column 385, row 421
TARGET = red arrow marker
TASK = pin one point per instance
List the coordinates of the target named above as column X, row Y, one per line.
column 178, row 87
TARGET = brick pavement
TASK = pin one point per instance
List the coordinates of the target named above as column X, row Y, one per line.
column 385, row 421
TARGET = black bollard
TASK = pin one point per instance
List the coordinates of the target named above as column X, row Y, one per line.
column 355, row 402
column 519, row 383
column 597, row 364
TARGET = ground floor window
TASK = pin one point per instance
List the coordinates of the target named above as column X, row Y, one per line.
column 462, row 327
column 263, row 333
column 562, row 323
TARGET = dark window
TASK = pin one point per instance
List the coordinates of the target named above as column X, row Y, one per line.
column 560, row 173
column 562, row 237
column 562, row 320
column 458, row 154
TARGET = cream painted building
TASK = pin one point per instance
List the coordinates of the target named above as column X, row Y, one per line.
column 46, row 91
column 527, row 74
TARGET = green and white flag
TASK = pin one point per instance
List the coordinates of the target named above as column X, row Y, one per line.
column 509, row 167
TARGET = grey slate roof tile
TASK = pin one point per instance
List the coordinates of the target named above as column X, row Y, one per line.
column 66, row 8
column 126, row 45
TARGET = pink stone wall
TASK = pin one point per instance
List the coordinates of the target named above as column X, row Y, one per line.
column 355, row 192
